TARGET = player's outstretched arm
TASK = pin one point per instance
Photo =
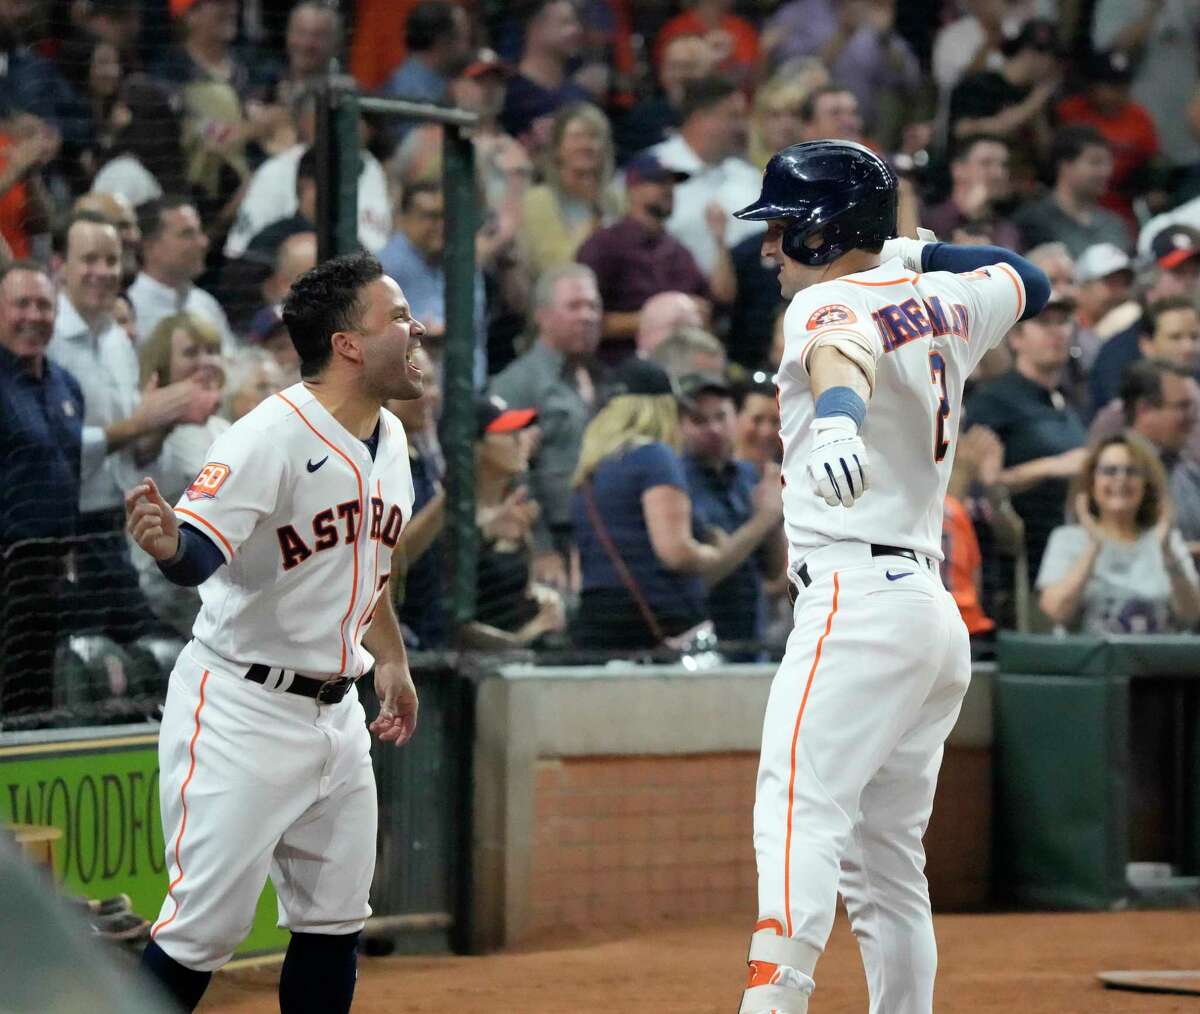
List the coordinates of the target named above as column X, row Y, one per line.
column 397, row 719
column 919, row 255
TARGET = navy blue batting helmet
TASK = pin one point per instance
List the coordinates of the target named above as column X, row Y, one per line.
column 839, row 189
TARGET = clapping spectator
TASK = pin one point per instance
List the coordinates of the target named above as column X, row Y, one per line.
column 180, row 349
column 857, row 41
column 577, row 197
column 1071, row 213
column 1043, row 436
column 644, row 569
column 1123, row 567
column 732, row 40
column 725, row 496
column 511, row 609
column 144, row 163
column 635, row 259
column 27, row 146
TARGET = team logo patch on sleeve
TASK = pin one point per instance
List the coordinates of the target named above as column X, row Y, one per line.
column 826, row 316
column 206, row 484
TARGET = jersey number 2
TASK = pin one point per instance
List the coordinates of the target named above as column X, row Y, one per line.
column 937, row 374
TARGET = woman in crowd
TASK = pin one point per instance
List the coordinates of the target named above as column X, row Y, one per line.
column 644, row 571
column 576, row 198
column 147, row 158
column 511, row 610
column 775, row 122
column 93, row 68
column 1123, row 567
column 181, row 346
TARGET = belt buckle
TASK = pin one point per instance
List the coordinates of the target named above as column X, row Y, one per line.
column 332, row 691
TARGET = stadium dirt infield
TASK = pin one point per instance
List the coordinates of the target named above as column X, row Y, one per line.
column 1018, row 964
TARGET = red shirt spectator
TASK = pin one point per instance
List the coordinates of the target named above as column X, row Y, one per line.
column 962, row 565
column 1125, row 125
column 734, row 40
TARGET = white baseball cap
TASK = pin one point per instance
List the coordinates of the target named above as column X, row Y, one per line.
column 1099, row 261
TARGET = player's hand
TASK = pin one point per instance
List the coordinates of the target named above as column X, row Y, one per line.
column 397, row 720
column 151, row 521
column 837, row 463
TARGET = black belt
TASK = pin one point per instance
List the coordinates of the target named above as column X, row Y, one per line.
column 323, row 691
column 876, row 550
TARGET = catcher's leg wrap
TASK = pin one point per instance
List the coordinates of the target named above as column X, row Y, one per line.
column 771, row 957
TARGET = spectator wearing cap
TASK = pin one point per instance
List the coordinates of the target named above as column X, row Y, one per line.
column 1169, row 334
column 1014, row 101
column 577, row 196
column 636, row 258
column 512, row 610
column 724, row 496
column 859, row 44
column 709, row 147
column 662, row 316
column 271, row 194
column 558, row 376
column 980, row 180
column 542, row 84
column 1071, row 212
column 1104, row 283
column 1161, row 38
column 1126, row 126
column 1042, row 434
column 757, row 437
column 413, row 256
column 207, row 52
column 1186, row 214
column 732, row 39
column 174, row 246
column 41, row 442
column 437, row 36
column 645, row 572
column 684, row 59
column 1175, row 272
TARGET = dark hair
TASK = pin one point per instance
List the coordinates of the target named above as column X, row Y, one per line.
column 413, row 189
column 154, row 134
column 1149, row 321
column 24, row 264
column 75, row 62
column 703, row 94
column 428, row 23
column 1070, row 142
column 1141, row 381
column 964, row 147
column 306, row 168
column 808, row 108
column 326, row 300
column 150, row 214
column 759, row 382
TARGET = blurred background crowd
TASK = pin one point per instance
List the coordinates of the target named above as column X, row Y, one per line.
column 158, row 195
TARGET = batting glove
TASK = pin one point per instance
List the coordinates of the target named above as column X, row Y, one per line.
column 837, row 463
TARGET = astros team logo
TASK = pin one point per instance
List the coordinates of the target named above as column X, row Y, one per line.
column 826, row 316
column 206, row 484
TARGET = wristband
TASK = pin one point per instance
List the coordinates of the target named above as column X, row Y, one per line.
column 842, row 401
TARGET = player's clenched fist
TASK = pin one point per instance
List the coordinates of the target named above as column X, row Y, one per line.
column 837, row 463
column 151, row 521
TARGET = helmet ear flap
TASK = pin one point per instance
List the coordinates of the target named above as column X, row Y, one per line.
column 794, row 243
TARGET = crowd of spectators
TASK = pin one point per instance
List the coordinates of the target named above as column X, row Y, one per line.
column 158, row 196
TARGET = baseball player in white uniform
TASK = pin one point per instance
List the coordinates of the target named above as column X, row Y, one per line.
column 264, row 761
column 880, row 338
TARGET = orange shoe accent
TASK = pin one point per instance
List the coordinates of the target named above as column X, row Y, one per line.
column 764, row 973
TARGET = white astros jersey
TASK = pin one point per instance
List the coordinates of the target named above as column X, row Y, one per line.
column 928, row 332
column 307, row 523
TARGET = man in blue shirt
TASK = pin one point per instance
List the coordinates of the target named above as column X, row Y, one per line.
column 41, row 439
column 413, row 257
column 722, row 493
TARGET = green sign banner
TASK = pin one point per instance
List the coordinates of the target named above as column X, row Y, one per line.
column 102, row 793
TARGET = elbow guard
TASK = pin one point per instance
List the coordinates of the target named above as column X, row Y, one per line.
column 853, row 346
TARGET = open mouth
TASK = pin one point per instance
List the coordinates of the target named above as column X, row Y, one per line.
column 413, row 346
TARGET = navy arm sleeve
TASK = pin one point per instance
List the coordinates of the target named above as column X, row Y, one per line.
column 960, row 259
column 196, row 561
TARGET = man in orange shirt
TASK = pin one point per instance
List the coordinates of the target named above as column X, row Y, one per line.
column 1125, row 125
column 26, row 144
column 733, row 40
